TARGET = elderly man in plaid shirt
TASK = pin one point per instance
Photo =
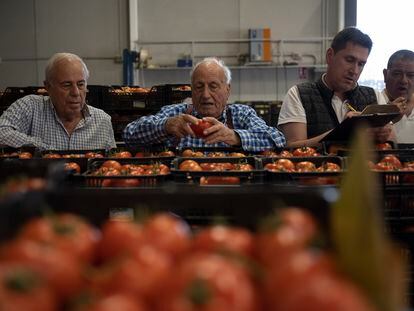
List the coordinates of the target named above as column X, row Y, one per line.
column 62, row 120
column 233, row 125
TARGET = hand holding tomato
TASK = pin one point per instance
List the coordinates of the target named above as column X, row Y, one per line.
column 179, row 126
column 199, row 128
column 219, row 132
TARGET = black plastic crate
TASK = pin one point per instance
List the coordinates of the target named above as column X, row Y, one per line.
column 124, row 179
column 214, row 151
column 125, row 98
column 152, row 151
column 96, row 95
column 22, row 152
column 11, row 94
column 74, row 153
column 196, row 177
column 167, row 94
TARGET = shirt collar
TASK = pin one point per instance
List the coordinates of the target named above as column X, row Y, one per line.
column 221, row 118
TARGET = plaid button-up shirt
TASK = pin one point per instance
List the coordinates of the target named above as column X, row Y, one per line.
column 32, row 120
column 255, row 134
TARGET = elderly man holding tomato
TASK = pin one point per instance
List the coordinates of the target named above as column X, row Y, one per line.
column 209, row 121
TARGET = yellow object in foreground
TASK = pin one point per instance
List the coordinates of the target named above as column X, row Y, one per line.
column 364, row 250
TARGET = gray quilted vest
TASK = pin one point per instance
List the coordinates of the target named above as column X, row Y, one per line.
column 320, row 115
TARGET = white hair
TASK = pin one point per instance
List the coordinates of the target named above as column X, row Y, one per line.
column 213, row 60
column 56, row 58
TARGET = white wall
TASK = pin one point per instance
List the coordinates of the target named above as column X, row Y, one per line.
column 195, row 20
column 32, row 30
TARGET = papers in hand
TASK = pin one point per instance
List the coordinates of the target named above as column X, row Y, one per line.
column 371, row 116
column 379, row 109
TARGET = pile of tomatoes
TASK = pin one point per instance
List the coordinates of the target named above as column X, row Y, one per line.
column 194, row 166
column 21, row 185
column 286, row 165
column 297, row 152
column 126, row 175
column 188, row 153
column 88, row 155
column 141, row 154
column 17, row 154
column 62, row 262
column 391, row 163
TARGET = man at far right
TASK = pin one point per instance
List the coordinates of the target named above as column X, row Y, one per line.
column 399, row 89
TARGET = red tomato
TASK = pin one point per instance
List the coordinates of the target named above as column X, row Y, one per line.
column 139, row 154
column 72, row 155
column 187, row 153
column 281, row 165
column 208, row 282
column 220, row 238
column 198, row 154
column 140, row 275
column 119, row 238
column 166, row 153
column 112, row 164
column 208, row 166
column 269, row 153
column 305, row 166
column 392, row 160
column 67, row 232
column 61, row 269
column 122, row 154
column 200, row 127
column 244, row 167
column 91, row 155
column 384, row 166
column 190, row 165
column 216, row 154
column 329, row 167
column 383, row 146
column 52, row 156
column 127, row 182
column 286, row 154
column 168, row 233
column 291, row 229
column 304, row 152
column 219, row 180
column 73, row 166
column 113, row 302
column 285, row 278
column 25, row 155
column 22, row 288
column 237, row 154
column 325, row 292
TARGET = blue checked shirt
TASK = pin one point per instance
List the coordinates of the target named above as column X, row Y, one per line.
column 32, row 120
column 254, row 134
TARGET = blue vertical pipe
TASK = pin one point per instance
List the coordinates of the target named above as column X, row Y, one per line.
column 125, row 65
column 128, row 59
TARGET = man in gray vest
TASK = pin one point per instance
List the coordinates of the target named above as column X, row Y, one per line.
column 311, row 110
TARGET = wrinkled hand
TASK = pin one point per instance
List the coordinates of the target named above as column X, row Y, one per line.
column 381, row 134
column 179, row 127
column 220, row 133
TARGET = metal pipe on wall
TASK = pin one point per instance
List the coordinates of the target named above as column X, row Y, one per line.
column 341, row 14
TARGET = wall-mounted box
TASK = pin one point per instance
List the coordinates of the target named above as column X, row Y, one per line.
column 260, row 47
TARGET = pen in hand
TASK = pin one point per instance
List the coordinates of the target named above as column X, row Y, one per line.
column 350, row 107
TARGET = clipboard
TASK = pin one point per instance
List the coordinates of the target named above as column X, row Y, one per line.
column 371, row 116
